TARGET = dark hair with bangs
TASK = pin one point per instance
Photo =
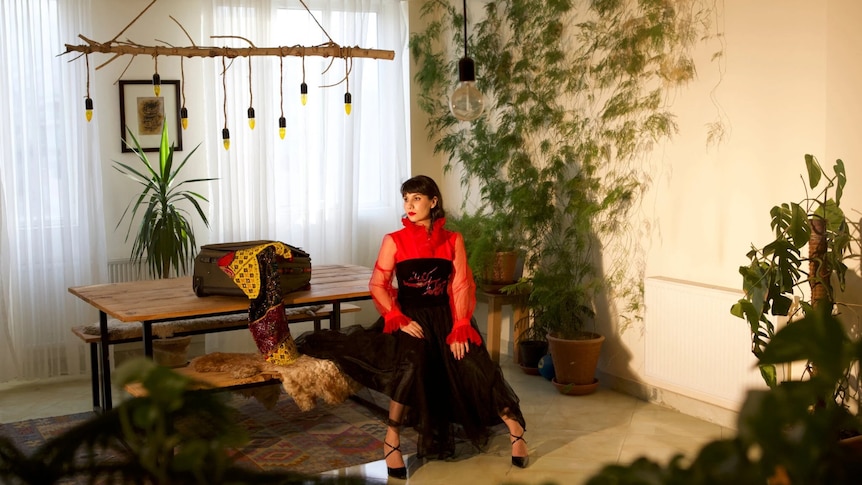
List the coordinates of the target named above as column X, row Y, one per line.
column 422, row 184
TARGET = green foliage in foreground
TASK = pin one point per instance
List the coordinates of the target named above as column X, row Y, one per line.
column 791, row 427
column 171, row 436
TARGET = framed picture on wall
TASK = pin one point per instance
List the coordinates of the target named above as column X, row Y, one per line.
column 142, row 113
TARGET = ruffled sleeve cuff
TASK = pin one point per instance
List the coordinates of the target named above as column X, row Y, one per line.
column 462, row 331
column 394, row 320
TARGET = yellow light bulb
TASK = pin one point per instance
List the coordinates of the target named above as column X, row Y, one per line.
column 88, row 106
column 303, row 93
column 157, row 84
column 225, row 136
column 251, row 118
column 184, row 117
column 348, row 103
column 282, row 127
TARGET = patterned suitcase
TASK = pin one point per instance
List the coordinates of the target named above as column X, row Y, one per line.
column 208, row 279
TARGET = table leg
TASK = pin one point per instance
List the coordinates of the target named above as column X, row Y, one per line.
column 105, row 367
column 94, row 376
column 335, row 318
column 148, row 338
column 493, row 338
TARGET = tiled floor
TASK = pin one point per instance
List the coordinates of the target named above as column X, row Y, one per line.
column 570, row 437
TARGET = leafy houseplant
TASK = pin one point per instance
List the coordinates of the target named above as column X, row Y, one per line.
column 775, row 274
column 492, row 247
column 165, row 237
column 574, row 106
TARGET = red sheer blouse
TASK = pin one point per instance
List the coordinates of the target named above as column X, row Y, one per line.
column 414, row 242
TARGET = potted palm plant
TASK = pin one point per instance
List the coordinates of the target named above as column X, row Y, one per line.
column 563, row 288
column 165, row 237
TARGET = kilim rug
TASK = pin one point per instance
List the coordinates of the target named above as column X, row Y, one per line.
column 282, row 438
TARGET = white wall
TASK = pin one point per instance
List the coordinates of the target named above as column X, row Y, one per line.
column 789, row 84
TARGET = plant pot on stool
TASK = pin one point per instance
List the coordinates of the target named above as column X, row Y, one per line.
column 575, row 362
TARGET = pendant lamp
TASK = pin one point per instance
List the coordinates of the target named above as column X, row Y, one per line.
column 466, row 102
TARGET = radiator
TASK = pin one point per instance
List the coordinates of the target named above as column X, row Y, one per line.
column 694, row 346
column 122, row 270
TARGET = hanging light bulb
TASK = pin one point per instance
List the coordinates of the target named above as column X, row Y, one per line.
column 225, row 138
column 88, row 102
column 184, row 117
column 251, row 117
column 157, row 84
column 282, row 127
column 88, row 108
column 303, row 93
column 466, row 102
column 348, row 103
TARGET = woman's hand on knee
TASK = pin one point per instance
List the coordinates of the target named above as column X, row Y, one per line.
column 459, row 349
column 413, row 329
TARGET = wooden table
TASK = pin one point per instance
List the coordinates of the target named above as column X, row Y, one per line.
column 148, row 302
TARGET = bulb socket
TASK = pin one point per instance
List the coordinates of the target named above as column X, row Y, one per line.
column 466, row 69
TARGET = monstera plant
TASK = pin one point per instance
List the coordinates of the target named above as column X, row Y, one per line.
column 165, row 236
column 778, row 270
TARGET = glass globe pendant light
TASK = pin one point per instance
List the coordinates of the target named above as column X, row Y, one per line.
column 466, row 102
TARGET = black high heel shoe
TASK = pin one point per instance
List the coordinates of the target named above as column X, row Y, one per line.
column 519, row 461
column 400, row 472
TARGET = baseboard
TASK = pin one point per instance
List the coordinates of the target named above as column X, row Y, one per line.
column 709, row 412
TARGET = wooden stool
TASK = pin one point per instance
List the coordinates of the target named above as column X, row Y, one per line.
column 495, row 304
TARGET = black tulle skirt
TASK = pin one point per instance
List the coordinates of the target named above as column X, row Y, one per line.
column 446, row 399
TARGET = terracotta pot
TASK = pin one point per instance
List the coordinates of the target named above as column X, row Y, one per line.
column 502, row 272
column 575, row 361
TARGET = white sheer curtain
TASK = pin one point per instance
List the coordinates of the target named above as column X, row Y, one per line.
column 331, row 186
column 51, row 218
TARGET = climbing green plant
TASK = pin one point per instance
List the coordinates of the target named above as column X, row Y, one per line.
column 576, row 102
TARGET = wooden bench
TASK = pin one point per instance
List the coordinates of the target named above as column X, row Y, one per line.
column 120, row 332
column 213, row 381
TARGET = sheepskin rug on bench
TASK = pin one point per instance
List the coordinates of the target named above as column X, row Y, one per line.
column 306, row 380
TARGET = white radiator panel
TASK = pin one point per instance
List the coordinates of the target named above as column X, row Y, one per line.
column 123, row 270
column 694, row 346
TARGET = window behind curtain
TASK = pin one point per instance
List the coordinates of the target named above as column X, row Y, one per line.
column 51, row 220
column 332, row 185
